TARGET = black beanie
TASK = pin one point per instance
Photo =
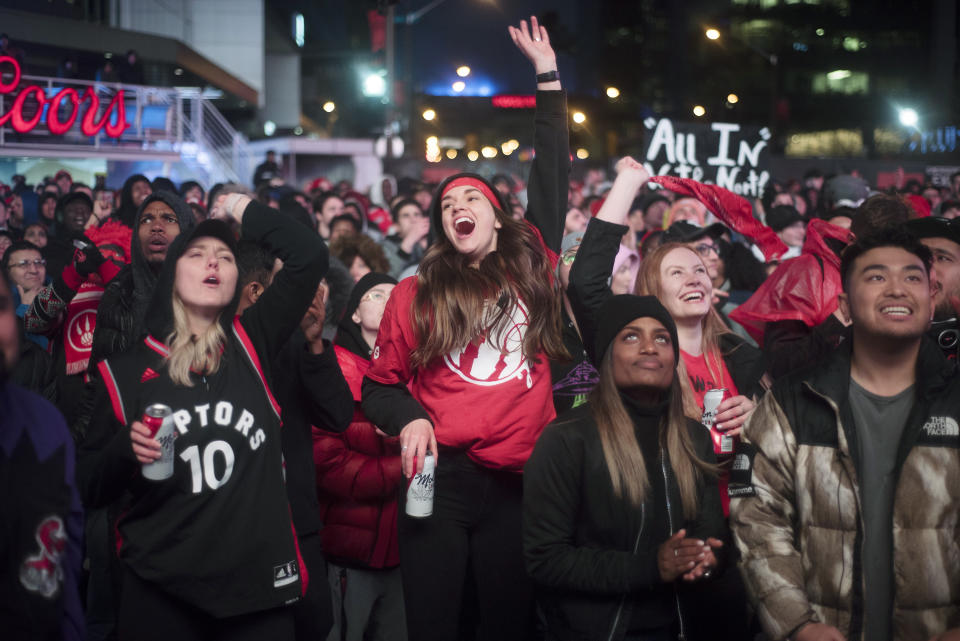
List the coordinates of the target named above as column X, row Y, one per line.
column 619, row 311
column 349, row 335
column 363, row 286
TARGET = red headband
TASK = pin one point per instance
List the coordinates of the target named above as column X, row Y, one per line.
column 477, row 184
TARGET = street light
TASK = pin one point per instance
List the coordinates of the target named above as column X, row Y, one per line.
column 583, row 154
column 489, row 152
column 459, row 86
column 375, row 84
column 472, row 155
column 733, row 98
column 712, row 34
column 908, row 117
column 429, row 114
column 329, row 106
column 432, row 141
column 613, row 92
column 463, row 71
column 698, row 111
column 579, row 117
column 451, row 153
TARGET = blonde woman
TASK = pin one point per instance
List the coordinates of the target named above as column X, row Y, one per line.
column 208, row 553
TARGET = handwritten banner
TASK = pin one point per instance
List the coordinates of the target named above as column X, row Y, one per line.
column 726, row 154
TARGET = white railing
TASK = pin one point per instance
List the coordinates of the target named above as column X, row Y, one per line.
column 159, row 119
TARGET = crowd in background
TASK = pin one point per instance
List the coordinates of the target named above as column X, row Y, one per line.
column 406, row 340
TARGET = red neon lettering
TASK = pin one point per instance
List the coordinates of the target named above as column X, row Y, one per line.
column 113, row 122
column 53, row 113
column 514, row 102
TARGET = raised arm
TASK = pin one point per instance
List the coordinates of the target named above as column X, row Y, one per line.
column 549, row 180
column 591, row 270
column 271, row 320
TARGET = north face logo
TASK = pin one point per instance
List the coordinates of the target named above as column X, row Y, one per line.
column 941, row 426
column 741, row 462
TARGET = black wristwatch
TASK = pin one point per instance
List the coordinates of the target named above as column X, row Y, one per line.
column 548, row 76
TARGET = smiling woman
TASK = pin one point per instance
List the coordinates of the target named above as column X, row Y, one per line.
column 474, row 330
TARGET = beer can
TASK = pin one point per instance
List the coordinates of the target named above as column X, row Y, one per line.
column 159, row 419
column 420, row 489
column 722, row 444
column 711, row 401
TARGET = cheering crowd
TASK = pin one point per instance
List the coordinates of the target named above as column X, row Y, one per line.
column 656, row 410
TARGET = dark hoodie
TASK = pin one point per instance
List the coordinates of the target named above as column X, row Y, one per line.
column 127, row 213
column 217, row 539
column 125, row 301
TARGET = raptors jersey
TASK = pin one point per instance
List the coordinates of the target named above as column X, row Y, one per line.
column 218, row 534
column 488, row 398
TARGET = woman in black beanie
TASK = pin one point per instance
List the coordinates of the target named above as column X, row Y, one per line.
column 621, row 507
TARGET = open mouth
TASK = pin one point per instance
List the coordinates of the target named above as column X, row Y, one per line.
column 464, row 226
column 158, row 244
column 896, row 310
column 211, row 280
column 692, row 297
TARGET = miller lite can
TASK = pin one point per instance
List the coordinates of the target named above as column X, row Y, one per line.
column 420, row 489
column 159, row 420
column 722, row 444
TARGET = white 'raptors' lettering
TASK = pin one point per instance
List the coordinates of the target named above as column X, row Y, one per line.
column 222, row 415
column 497, row 357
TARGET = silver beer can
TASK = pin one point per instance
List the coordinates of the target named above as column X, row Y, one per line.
column 159, row 418
column 420, row 490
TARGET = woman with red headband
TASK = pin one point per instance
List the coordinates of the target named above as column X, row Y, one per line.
column 460, row 370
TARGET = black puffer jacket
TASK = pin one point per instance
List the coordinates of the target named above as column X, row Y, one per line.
column 124, row 303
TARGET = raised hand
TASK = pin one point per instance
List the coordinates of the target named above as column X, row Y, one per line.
column 534, row 43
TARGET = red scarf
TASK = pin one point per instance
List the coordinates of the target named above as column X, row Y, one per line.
column 78, row 326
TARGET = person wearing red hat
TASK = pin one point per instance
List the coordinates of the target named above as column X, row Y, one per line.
column 471, row 335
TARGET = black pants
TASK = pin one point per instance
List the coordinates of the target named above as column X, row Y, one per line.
column 475, row 521
column 313, row 614
column 149, row 614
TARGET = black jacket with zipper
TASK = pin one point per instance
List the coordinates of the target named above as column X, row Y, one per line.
column 592, row 554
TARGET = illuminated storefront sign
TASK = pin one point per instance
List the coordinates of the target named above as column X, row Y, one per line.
column 113, row 122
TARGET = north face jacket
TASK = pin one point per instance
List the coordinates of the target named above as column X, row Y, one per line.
column 795, row 504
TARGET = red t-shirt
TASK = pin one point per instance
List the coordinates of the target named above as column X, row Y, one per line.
column 488, row 399
column 701, row 380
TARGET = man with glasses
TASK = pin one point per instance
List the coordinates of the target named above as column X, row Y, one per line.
column 942, row 238
column 27, row 270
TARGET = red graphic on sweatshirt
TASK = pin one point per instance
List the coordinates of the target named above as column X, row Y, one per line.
column 497, row 357
column 43, row 572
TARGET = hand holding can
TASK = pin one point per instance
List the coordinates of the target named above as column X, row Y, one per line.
column 420, row 489
column 153, row 438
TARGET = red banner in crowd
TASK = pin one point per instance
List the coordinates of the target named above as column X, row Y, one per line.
column 113, row 122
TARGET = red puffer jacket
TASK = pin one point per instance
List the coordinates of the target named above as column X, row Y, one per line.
column 358, row 475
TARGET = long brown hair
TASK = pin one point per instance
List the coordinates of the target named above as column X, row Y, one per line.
column 648, row 284
column 621, row 451
column 453, row 302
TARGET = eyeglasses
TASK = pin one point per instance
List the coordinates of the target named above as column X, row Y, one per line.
column 704, row 249
column 377, row 297
column 23, row 264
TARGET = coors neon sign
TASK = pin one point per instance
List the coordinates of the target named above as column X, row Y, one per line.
column 89, row 124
